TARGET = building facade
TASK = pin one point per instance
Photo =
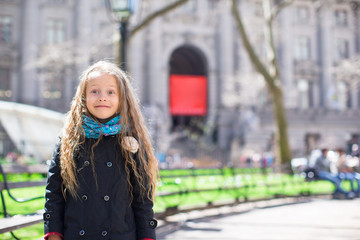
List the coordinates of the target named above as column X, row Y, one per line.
column 192, row 73
column 44, row 44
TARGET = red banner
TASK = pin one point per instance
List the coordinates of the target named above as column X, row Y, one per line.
column 188, row 95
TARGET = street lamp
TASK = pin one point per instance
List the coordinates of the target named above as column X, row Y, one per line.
column 120, row 11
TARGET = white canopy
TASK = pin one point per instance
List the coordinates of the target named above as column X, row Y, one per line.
column 34, row 130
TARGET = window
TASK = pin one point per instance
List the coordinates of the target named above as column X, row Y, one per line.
column 189, row 7
column 5, row 90
column 261, row 46
column 5, row 29
column 212, row 4
column 55, row 31
column 303, row 88
column 341, row 18
column 348, row 96
column 342, row 49
column 60, row 2
column 258, row 11
column 358, row 94
column 302, row 48
column 344, row 93
column 302, row 14
column 311, row 94
column 53, row 87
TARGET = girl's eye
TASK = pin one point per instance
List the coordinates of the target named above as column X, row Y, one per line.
column 94, row 91
column 111, row 92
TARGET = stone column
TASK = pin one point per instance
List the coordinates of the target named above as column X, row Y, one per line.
column 83, row 24
column 325, row 52
column 226, row 53
column 158, row 86
column 286, row 60
column 356, row 21
column 137, row 58
column 28, row 88
column 226, row 79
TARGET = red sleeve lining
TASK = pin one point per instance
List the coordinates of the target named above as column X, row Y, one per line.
column 59, row 234
column 52, row 233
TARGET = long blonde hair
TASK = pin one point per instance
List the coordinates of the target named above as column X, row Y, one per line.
column 144, row 168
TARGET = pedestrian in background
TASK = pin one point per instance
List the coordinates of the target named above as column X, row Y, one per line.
column 347, row 172
column 102, row 176
column 322, row 167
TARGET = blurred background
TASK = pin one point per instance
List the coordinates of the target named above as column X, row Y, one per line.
column 239, row 96
column 206, row 101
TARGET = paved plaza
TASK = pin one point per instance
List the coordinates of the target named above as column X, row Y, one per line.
column 317, row 219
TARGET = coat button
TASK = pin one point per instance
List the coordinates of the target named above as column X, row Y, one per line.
column 84, row 197
column 82, row 233
column 153, row 223
column 86, row 163
column 109, row 164
column 104, row 233
column 106, row 198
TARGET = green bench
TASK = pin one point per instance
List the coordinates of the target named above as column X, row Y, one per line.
column 8, row 222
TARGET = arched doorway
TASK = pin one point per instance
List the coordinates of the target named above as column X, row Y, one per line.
column 188, row 89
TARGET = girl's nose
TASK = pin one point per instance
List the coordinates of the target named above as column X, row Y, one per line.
column 102, row 97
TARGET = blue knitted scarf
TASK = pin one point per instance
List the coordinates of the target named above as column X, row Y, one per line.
column 93, row 129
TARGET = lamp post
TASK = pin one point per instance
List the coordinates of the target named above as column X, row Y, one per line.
column 120, row 11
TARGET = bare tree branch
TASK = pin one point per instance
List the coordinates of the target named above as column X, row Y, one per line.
column 270, row 45
column 156, row 14
column 278, row 7
column 250, row 50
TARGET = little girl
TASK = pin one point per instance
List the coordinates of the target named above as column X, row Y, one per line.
column 102, row 176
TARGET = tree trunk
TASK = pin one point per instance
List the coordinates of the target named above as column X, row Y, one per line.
column 281, row 136
column 271, row 77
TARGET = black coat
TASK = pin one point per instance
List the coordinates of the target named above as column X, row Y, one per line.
column 103, row 212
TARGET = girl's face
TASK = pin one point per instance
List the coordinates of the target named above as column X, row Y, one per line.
column 102, row 96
